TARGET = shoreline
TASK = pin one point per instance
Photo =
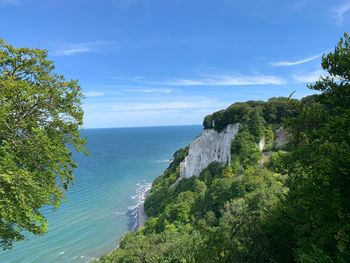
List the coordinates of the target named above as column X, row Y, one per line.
column 141, row 213
column 141, row 217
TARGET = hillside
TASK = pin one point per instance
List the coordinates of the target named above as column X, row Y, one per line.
column 283, row 196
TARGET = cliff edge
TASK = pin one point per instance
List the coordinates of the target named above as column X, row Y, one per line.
column 210, row 146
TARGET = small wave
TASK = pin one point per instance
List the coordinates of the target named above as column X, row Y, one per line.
column 141, row 192
column 134, row 197
column 130, row 208
column 61, row 253
column 86, row 258
column 165, row 161
column 120, row 213
column 133, row 212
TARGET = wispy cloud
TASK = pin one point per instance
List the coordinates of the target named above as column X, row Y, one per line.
column 148, row 90
column 79, row 48
column 117, row 89
column 308, row 77
column 93, row 94
column 222, row 80
column 10, row 2
column 340, row 11
column 287, row 63
column 298, row 5
column 168, row 105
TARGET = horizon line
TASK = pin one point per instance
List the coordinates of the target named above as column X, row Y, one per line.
column 151, row 126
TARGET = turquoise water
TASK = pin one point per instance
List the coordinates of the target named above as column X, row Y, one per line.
column 99, row 206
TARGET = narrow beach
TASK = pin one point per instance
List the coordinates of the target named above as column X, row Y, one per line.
column 141, row 213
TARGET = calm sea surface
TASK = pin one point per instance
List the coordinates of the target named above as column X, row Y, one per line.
column 108, row 183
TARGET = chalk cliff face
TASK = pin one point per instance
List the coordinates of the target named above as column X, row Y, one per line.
column 261, row 144
column 282, row 137
column 210, row 146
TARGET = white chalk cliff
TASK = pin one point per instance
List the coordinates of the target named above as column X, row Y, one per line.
column 261, row 144
column 282, row 137
column 210, row 146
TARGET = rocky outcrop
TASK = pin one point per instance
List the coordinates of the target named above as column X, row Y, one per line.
column 210, row 146
column 262, row 144
column 281, row 137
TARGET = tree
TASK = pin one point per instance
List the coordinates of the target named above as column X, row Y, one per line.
column 315, row 216
column 40, row 117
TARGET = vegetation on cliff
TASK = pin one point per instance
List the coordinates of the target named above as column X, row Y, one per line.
column 282, row 205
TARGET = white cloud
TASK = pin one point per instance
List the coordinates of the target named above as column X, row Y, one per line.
column 142, row 118
column 309, row 77
column 340, row 11
column 93, row 94
column 122, row 89
column 223, row 80
column 170, row 111
column 167, row 105
column 10, row 2
column 148, row 90
column 287, row 63
column 79, row 48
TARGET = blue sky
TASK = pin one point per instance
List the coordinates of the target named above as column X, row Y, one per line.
column 171, row 62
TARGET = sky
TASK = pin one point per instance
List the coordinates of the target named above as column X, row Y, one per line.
column 172, row 62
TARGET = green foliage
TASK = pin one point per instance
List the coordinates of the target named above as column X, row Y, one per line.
column 240, row 235
column 244, row 149
column 40, row 113
column 278, row 110
column 278, row 162
column 168, row 246
column 161, row 191
column 275, row 111
column 318, row 203
column 256, row 124
column 269, row 138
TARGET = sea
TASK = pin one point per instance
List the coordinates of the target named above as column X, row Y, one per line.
column 101, row 206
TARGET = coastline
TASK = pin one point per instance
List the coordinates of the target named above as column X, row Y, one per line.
column 137, row 214
column 141, row 213
column 141, row 216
